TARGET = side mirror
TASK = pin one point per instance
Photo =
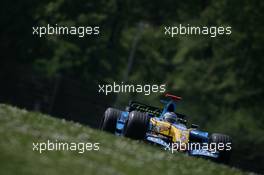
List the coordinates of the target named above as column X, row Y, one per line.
column 194, row 126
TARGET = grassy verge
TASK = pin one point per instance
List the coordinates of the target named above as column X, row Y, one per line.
column 20, row 128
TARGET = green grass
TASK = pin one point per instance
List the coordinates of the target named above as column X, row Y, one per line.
column 117, row 156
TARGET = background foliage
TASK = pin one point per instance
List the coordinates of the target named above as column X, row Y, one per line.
column 221, row 79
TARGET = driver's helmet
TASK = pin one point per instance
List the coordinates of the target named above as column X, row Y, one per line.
column 170, row 117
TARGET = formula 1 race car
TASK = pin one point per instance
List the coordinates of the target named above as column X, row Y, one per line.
column 166, row 128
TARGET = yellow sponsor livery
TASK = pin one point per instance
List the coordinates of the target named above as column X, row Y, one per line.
column 176, row 133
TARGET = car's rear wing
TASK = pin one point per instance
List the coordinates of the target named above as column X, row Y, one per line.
column 173, row 97
column 137, row 106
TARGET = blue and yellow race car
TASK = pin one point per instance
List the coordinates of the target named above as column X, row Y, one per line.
column 166, row 128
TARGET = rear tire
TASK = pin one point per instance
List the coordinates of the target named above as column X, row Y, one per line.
column 137, row 125
column 110, row 119
column 225, row 155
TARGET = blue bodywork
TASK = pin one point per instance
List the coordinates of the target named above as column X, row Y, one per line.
column 169, row 106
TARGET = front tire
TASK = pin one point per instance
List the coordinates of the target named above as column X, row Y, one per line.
column 137, row 125
column 110, row 119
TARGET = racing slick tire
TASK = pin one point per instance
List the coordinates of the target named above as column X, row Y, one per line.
column 109, row 120
column 137, row 125
column 224, row 155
